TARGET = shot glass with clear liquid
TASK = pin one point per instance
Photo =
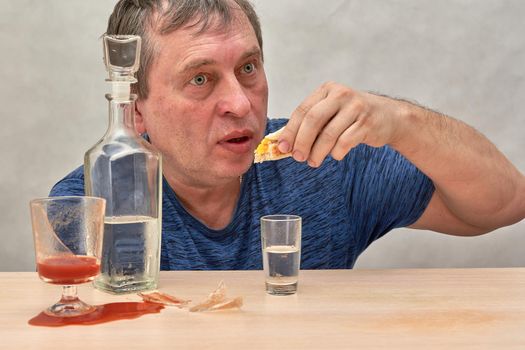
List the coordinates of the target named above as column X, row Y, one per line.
column 281, row 250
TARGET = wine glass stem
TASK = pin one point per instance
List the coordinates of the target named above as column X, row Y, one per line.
column 69, row 293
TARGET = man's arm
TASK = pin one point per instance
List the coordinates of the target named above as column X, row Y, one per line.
column 477, row 188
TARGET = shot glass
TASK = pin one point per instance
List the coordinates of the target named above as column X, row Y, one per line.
column 281, row 248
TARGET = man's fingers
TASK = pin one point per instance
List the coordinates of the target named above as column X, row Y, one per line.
column 350, row 138
column 319, row 131
column 331, row 134
column 330, row 121
column 289, row 133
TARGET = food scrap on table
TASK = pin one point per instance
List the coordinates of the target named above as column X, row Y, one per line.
column 217, row 301
column 164, row 298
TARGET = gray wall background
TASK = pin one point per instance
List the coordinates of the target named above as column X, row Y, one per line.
column 465, row 58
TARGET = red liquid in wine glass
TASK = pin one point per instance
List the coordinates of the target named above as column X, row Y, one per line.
column 74, row 269
column 68, row 269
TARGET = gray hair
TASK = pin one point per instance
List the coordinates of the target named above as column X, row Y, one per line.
column 149, row 17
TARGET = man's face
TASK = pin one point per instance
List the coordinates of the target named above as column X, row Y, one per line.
column 207, row 102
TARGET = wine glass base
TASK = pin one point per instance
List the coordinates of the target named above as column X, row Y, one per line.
column 69, row 308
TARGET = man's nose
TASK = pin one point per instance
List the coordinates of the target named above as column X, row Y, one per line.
column 233, row 98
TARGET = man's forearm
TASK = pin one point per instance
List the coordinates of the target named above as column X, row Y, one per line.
column 477, row 188
column 474, row 180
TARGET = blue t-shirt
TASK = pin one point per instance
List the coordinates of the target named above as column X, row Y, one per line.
column 345, row 206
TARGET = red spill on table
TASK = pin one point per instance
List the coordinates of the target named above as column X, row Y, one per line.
column 103, row 313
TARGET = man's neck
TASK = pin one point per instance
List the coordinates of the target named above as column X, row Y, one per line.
column 212, row 205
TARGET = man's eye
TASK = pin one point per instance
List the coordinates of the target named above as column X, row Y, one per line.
column 199, row 80
column 248, row 68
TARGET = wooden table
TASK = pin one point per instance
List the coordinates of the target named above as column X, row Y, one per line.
column 343, row 309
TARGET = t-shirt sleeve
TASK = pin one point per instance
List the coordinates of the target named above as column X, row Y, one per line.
column 71, row 185
column 386, row 191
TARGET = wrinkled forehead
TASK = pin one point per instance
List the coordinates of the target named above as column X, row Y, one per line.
column 216, row 24
column 199, row 21
column 212, row 27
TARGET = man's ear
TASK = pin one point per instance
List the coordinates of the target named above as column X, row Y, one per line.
column 140, row 126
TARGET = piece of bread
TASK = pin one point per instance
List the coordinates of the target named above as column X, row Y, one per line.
column 268, row 150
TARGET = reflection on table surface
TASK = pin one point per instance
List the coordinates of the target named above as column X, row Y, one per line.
column 333, row 309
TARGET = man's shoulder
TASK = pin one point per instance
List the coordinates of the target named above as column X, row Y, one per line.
column 71, row 185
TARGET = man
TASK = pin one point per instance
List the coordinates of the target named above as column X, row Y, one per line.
column 362, row 164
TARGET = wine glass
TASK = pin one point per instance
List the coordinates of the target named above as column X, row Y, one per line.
column 68, row 243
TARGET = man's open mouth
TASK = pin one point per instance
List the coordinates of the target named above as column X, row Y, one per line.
column 238, row 139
